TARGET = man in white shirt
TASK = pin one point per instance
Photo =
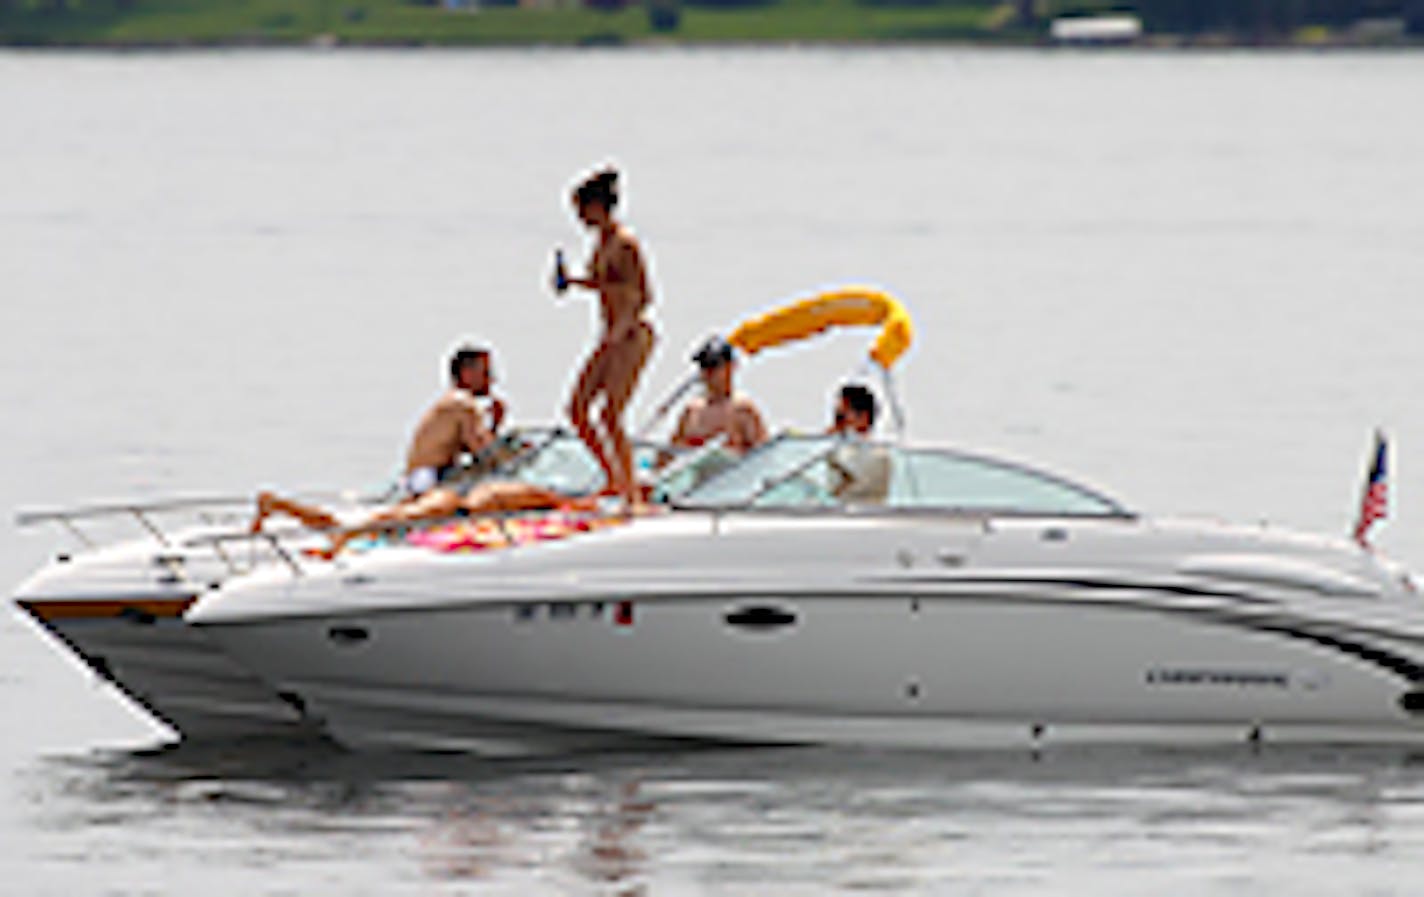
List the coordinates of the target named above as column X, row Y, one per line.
column 860, row 470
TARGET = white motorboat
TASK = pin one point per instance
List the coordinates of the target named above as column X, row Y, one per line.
column 980, row 601
column 971, row 600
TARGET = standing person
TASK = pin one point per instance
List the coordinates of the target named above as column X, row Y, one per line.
column 617, row 273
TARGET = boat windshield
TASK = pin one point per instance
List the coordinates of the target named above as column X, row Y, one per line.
column 800, row 472
column 558, row 460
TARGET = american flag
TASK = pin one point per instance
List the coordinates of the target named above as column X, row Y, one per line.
column 1374, row 503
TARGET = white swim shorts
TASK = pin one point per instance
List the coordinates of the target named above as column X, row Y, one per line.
column 420, row 481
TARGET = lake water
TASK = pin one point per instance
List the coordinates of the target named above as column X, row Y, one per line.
column 1196, row 280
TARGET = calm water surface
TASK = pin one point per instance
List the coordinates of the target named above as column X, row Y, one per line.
column 1194, row 280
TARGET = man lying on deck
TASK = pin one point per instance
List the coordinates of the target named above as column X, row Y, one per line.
column 498, row 497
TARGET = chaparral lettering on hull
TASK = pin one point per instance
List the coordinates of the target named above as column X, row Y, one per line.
column 1238, row 678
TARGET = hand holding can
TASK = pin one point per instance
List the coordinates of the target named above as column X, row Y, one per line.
column 561, row 275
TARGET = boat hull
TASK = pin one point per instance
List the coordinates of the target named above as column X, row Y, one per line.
column 872, row 629
column 878, row 669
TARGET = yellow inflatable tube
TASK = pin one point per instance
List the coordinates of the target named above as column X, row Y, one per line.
column 849, row 307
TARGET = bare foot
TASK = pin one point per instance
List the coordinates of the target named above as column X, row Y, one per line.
column 264, row 510
column 634, row 503
column 629, row 506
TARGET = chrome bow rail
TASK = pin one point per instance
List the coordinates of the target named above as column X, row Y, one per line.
column 143, row 512
column 208, row 510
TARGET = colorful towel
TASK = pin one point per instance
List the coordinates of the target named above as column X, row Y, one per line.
column 484, row 535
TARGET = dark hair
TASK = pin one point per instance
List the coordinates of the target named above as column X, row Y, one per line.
column 463, row 356
column 599, row 188
column 713, row 353
column 860, row 398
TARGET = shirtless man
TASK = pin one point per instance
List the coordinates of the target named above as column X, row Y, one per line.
column 454, row 423
column 617, row 273
column 720, row 411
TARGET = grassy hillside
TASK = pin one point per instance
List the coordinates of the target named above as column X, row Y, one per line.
column 180, row 22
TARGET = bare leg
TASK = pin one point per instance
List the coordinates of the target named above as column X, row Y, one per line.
column 269, row 503
column 622, row 454
column 433, row 504
column 486, row 498
column 621, row 378
column 501, row 497
column 590, row 382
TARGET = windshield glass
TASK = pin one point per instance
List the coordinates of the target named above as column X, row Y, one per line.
column 823, row 472
column 559, row 461
column 943, row 479
column 759, row 470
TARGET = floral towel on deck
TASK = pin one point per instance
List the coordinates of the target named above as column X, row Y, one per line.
column 482, row 535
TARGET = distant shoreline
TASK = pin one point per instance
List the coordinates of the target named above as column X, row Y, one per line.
column 320, row 43
column 399, row 24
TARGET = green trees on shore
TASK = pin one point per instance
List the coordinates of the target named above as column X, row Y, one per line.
column 1264, row 18
column 521, row 22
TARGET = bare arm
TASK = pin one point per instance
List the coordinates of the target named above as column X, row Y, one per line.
column 756, row 427
column 497, row 409
column 473, row 433
column 625, row 265
column 680, row 437
column 589, row 280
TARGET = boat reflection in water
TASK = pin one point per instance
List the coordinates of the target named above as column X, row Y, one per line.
column 589, row 832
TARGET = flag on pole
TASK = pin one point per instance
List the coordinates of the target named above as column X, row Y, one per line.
column 1374, row 503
